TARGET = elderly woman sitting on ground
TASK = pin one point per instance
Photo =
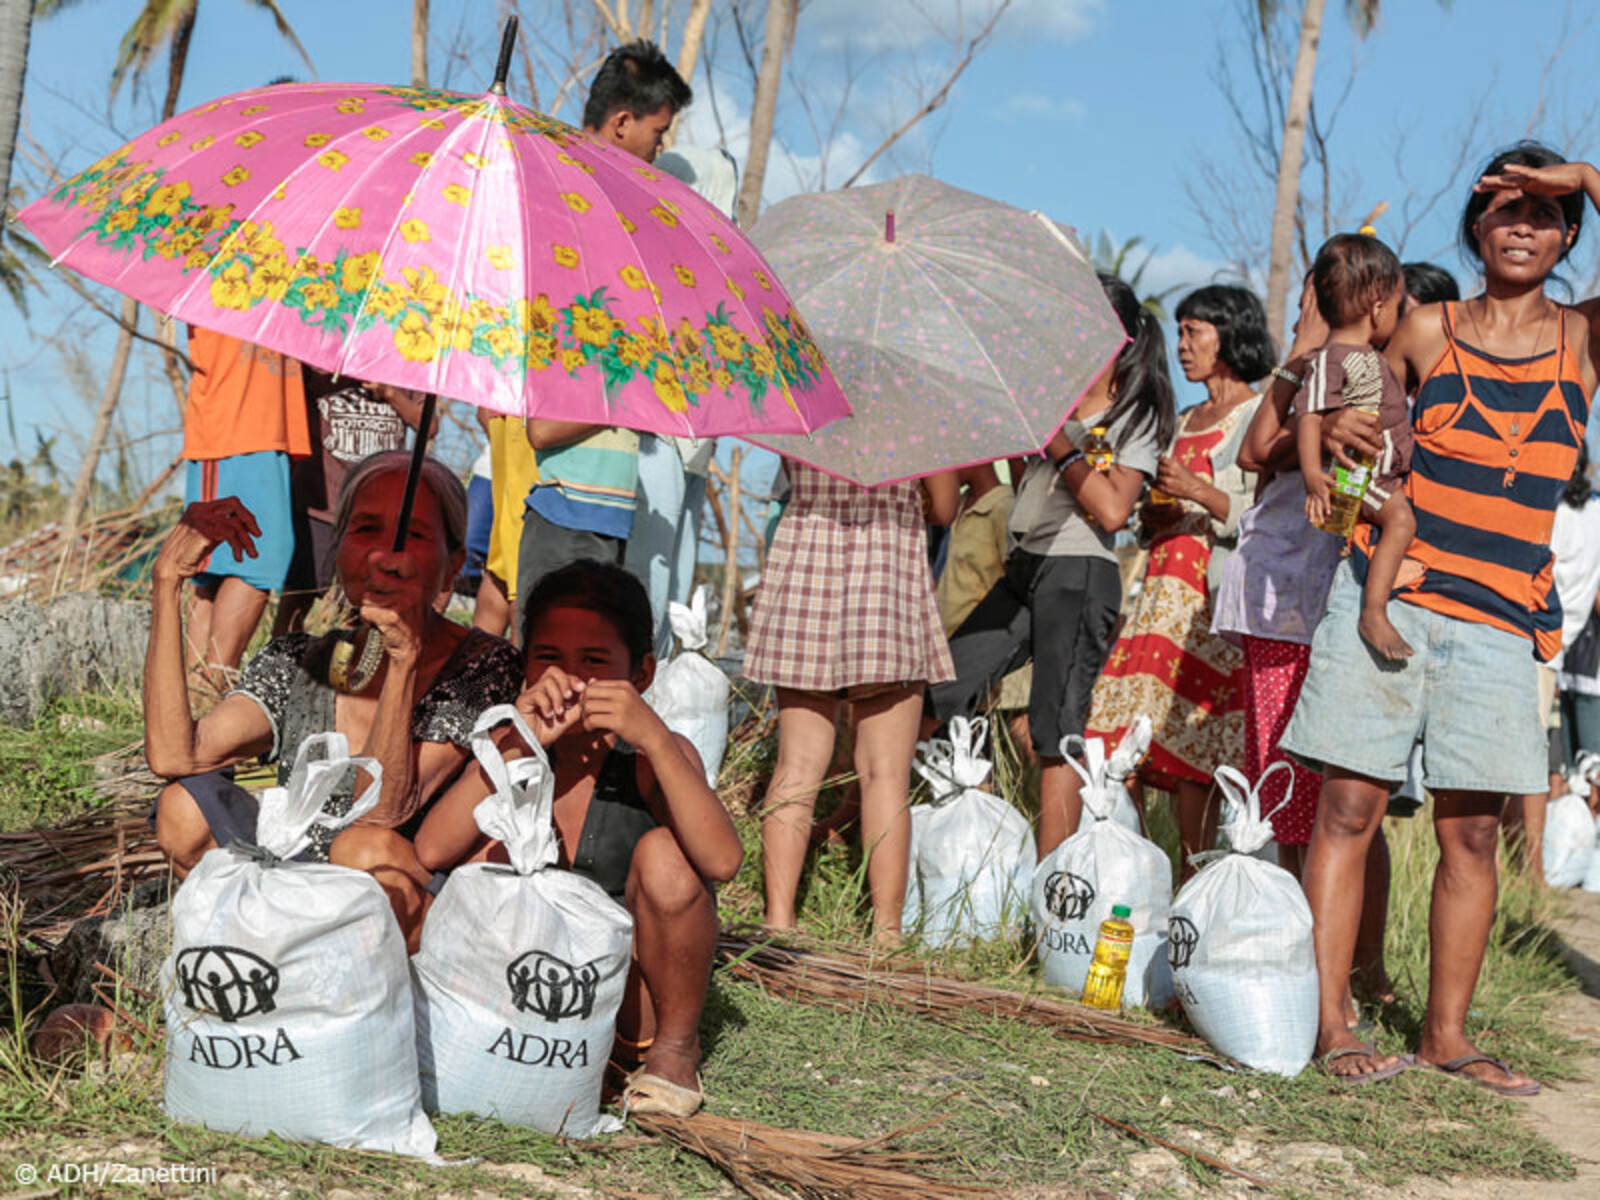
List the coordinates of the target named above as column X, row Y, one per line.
column 414, row 715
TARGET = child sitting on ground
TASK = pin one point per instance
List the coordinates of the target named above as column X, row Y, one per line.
column 1360, row 287
column 632, row 811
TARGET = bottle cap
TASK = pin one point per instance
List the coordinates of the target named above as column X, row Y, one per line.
column 1121, row 910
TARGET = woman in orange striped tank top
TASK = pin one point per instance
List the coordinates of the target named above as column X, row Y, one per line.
column 1501, row 385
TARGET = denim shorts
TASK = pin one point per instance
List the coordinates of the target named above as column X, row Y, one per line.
column 1470, row 692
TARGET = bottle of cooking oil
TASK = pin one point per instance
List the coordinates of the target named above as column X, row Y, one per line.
column 1097, row 449
column 1346, row 489
column 1109, row 970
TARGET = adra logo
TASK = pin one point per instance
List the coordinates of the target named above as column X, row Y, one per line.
column 1067, row 897
column 545, row 986
column 226, row 982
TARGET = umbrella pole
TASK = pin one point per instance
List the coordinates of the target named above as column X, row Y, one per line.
column 508, row 40
column 419, row 452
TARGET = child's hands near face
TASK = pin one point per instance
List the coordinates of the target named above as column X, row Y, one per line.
column 552, row 704
column 614, row 706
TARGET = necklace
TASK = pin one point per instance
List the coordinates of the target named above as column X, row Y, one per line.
column 1538, row 337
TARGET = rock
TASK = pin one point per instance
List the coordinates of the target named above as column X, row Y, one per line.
column 67, row 1031
column 133, row 941
column 76, row 643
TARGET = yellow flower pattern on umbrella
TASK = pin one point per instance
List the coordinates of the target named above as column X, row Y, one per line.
column 351, row 275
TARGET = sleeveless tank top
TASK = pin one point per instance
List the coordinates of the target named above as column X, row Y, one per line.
column 1495, row 442
column 617, row 818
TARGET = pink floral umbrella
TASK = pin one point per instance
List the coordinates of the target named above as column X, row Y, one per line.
column 460, row 245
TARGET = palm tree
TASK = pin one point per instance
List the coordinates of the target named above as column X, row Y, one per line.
column 1291, row 155
column 16, row 24
column 1113, row 258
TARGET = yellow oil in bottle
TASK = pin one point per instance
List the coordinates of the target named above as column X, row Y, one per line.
column 1097, row 449
column 1108, row 972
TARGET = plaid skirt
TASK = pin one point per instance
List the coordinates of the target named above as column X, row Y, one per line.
column 847, row 597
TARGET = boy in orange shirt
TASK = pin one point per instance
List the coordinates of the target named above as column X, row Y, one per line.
column 245, row 417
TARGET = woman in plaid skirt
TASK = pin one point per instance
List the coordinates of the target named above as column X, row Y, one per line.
column 846, row 611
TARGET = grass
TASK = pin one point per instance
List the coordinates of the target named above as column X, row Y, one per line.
column 1016, row 1103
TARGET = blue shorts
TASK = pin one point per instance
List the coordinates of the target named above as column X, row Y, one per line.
column 1470, row 693
column 261, row 483
column 480, row 521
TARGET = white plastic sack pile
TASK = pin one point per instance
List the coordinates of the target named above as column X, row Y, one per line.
column 1569, row 836
column 1102, row 865
column 690, row 693
column 288, row 1003
column 1239, row 941
column 972, row 854
column 522, row 968
column 1108, row 777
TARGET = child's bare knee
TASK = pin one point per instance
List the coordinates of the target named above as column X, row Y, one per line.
column 364, row 848
column 1343, row 815
column 662, row 878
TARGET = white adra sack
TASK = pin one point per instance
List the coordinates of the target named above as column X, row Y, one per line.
column 690, row 693
column 1240, row 944
column 1569, row 836
column 522, row 967
column 288, row 1002
column 1102, row 865
column 972, row 853
column 1108, row 777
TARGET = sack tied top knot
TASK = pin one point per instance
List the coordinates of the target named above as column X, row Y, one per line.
column 288, row 814
column 517, row 813
column 952, row 765
column 1103, row 776
column 1247, row 828
column 689, row 621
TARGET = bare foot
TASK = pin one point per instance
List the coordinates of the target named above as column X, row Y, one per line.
column 886, row 938
column 1383, row 637
column 676, row 1062
column 1344, row 1055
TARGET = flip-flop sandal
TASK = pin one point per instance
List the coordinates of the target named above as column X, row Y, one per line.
column 1457, row 1067
column 651, row 1095
column 1404, row 1063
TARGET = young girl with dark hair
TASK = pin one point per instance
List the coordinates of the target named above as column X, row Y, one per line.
column 1502, row 384
column 1167, row 664
column 632, row 811
column 1061, row 592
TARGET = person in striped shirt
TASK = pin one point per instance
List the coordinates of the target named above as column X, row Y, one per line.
column 1502, row 384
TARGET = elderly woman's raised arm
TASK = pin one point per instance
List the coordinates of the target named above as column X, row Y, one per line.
column 175, row 744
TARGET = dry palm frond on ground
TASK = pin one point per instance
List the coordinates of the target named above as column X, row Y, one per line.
column 842, row 980
column 772, row 1164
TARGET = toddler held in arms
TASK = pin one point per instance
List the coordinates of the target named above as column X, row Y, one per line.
column 1360, row 288
column 632, row 812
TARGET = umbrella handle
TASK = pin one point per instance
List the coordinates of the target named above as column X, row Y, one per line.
column 419, row 452
column 508, row 39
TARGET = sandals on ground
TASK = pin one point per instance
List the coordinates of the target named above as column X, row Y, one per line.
column 1366, row 1050
column 651, row 1095
column 1458, row 1068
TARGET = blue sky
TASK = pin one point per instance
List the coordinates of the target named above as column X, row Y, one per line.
column 1105, row 114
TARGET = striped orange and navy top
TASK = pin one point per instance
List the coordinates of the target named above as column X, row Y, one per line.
column 1496, row 440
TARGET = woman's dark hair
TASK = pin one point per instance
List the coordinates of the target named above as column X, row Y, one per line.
column 1523, row 154
column 1241, row 323
column 1141, row 388
column 636, row 77
column 1352, row 272
column 1428, row 284
column 1579, row 489
column 604, row 588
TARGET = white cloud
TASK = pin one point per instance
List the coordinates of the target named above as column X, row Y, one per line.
column 1036, row 104
column 906, row 24
column 1179, row 267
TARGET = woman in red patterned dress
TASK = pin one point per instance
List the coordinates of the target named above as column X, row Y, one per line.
column 1167, row 663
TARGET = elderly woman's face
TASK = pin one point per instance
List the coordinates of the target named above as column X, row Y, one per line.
column 1199, row 350
column 370, row 533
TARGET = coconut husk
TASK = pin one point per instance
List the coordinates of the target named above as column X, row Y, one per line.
column 775, row 1164
column 843, row 980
